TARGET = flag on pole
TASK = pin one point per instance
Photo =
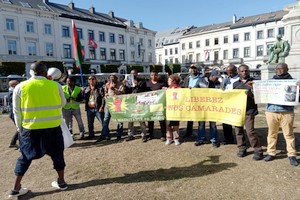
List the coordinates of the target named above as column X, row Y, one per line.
column 206, row 55
column 78, row 51
column 92, row 43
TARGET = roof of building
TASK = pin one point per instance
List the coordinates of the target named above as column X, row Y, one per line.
column 72, row 12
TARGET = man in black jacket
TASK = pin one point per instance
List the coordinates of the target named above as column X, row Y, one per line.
column 245, row 82
column 12, row 84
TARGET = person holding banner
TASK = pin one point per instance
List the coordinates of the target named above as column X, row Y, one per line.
column 139, row 86
column 190, row 82
column 281, row 115
column 155, row 84
column 245, row 82
column 232, row 76
column 173, row 126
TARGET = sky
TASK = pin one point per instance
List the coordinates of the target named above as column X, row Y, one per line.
column 161, row 15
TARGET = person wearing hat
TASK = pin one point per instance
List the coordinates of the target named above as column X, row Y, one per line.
column 213, row 82
column 37, row 106
column 190, row 82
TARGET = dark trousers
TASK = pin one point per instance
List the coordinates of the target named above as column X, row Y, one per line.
column 162, row 128
column 189, row 128
column 14, row 139
column 252, row 135
column 228, row 135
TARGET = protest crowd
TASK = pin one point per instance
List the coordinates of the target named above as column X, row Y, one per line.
column 35, row 116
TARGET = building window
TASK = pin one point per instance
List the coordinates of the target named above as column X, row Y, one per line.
column 92, row 53
column 113, row 54
column 48, row 29
column 235, row 53
column 166, row 52
column 102, row 54
column 10, row 24
column 270, row 33
column 31, row 47
column 102, row 36
column 176, row 51
column 247, row 52
column 216, row 55
column 171, row 51
column 260, row 34
column 111, row 37
column 225, row 54
column 149, row 43
column 121, row 39
column 49, row 49
column 198, row 58
column 150, row 57
column 207, row 42
column 122, row 54
column 268, row 47
column 183, row 46
column 198, row 44
column 191, row 58
column 12, row 47
column 131, row 40
column 132, row 55
column 176, row 61
column 236, row 38
column 183, row 59
column 91, row 34
column 281, row 31
column 141, row 42
column 247, row 36
column 260, row 50
column 67, row 51
column 65, row 31
column 216, row 41
column 225, row 39
column 171, row 61
column 30, row 27
column 79, row 33
column 166, row 61
column 190, row 45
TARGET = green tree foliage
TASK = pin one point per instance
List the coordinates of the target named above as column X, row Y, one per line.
column 7, row 68
column 109, row 68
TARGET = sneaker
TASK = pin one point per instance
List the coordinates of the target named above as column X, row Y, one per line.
column 215, row 144
column 242, row 153
column 293, row 161
column 15, row 146
column 119, row 139
column 144, row 139
column 168, row 142
column 198, row 143
column 61, row 186
column 258, row 156
column 269, row 158
column 177, row 142
column 15, row 193
column 150, row 137
column 163, row 139
column 130, row 137
column 99, row 139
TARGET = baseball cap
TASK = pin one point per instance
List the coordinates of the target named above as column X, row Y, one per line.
column 215, row 73
column 193, row 66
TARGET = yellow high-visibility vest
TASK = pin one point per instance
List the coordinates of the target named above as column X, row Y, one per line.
column 72, row 104
column 40, row 104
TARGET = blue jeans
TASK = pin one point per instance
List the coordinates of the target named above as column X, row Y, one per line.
column 91, row 114
column 105, row 129
column 212, row 130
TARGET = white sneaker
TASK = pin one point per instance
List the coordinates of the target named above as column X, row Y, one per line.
column 168, row 142
column 62, row 186
column 177, row 142
column 14, row 193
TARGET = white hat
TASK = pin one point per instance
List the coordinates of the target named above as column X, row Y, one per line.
column 53, row 73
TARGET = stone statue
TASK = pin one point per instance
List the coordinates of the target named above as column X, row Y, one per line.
column 278, row 51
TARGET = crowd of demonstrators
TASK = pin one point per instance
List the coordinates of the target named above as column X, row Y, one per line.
column 156, row 84
column 74, row 97
column 281, row 116
column 232, row 76
column 94, row 105
column 12, row 84
column 37, row 107
column 245, row 82
column 112, row 87
column 212, row 82
column 138, row 87
column 173, row 126
column 190, row 82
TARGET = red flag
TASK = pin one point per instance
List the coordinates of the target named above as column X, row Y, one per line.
column 78, row 50
column 92, row 43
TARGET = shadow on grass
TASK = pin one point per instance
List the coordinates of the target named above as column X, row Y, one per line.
column 203, row 168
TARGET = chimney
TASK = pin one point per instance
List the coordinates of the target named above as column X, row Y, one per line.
column 71, row 5
column 111, row 14
column 46, row 1
column 92, row 9
column 129, row 23
column 234, row 19
column 140, row 25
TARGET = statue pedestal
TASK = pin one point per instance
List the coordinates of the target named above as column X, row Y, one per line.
column 267, row 71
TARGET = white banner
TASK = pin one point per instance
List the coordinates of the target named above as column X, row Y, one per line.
column 281, row 92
